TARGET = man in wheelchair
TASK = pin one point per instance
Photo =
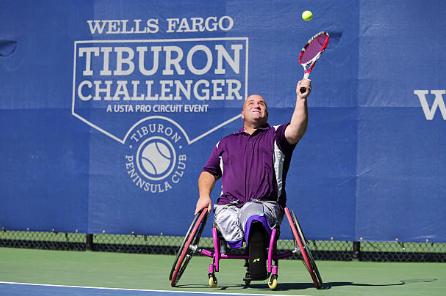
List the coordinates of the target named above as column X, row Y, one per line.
column 252, row 164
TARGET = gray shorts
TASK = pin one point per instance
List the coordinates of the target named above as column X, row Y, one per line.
column 234, row 223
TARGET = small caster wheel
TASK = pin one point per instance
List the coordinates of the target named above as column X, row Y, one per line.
column 247, row 279
column 272, row 283
column 212, row 281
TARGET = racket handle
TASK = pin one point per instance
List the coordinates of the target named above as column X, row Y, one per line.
column 303, row 89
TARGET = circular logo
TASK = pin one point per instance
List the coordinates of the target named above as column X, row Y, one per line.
column 156, row 158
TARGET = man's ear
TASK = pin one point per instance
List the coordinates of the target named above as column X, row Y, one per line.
column 243, row 116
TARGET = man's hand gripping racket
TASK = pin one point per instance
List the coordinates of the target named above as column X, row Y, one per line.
column 311, row 52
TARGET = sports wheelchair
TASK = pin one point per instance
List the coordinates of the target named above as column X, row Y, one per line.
column 190, row 247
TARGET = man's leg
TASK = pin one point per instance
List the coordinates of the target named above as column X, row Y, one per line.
column 227, row 221
column 256, row 219
column 257, row 251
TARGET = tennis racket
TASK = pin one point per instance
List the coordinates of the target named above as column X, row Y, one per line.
column 311, row 53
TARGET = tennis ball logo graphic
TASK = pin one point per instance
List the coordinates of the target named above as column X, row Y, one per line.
column 156, row 158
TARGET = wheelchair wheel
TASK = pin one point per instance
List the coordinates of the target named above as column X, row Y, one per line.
column 189, row 247
column 302, row 243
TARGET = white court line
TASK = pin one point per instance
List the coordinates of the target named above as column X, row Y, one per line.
column 138, row 290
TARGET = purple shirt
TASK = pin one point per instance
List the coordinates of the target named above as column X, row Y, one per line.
column 252, row 166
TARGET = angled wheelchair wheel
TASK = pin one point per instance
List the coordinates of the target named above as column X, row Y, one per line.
column 188, row 248
column 302, row 243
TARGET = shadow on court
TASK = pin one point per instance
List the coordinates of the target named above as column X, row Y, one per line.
column 325, row 286
column 304, row 286
column 329, row 285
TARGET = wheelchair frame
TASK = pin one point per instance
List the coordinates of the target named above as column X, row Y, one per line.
column 190, row 244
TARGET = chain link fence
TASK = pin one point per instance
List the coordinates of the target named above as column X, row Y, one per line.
column 168, row 245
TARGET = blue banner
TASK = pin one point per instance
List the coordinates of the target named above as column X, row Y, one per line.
column 109, row 110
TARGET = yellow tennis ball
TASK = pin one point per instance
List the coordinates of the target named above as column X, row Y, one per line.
column 307, row 15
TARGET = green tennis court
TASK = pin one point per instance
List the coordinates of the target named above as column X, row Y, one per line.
column 150, row 272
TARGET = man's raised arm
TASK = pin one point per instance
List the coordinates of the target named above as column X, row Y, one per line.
column 299, row 121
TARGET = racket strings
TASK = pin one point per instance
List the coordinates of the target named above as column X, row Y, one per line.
column 312, row 51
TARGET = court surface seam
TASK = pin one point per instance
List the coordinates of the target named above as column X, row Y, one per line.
column 136, row 290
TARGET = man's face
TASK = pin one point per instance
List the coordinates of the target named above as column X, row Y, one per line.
column 254, row 110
